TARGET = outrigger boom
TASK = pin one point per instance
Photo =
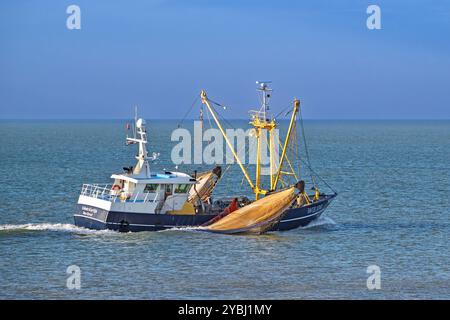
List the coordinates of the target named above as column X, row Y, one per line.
column 260, row 122
column 230, row 145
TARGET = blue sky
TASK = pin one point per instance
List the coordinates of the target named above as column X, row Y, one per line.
column 160, row 54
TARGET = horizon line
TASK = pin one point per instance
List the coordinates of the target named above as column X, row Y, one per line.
column 231, row 119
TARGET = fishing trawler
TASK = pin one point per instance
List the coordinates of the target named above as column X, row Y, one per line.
column 139, row 199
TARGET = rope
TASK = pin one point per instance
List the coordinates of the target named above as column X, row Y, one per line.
column 283, row 111
column 306, row 145
column 220, row 115
column 318, row 176
column 222, row 118
column 313, row 174
column 187, row 112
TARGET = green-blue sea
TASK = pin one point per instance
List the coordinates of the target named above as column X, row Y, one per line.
column 392, row 211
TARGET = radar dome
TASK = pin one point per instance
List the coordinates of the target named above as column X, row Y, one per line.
column 140, row 123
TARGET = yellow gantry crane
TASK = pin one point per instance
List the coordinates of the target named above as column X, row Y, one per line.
column 261, row 123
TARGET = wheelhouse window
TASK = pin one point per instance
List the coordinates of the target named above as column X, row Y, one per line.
column 168, row 188
column 150, row 188
column 181, row 188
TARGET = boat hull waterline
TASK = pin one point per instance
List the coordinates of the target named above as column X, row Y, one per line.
column 91, row 217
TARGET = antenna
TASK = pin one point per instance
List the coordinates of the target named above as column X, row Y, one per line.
column 265, row 92
column 135, row 120
column 140, row 137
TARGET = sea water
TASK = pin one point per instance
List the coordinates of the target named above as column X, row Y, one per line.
column 392, row 211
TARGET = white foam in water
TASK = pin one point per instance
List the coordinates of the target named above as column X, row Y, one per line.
column 66, row 227
column 322, row 221
column 61, row 227
column 183, row 229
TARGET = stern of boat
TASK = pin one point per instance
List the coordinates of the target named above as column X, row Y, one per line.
column 302, row 216
column 92, row 211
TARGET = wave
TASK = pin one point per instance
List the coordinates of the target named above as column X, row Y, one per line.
column 58, row 227
column 70, row 228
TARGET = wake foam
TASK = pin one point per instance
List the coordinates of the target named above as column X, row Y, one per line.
column 320, row 222
column 70, row 228
column 192, row 229
column 58, row 227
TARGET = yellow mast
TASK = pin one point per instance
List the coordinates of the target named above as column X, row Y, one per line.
column 286, row 142
column 258, row 163
column 271, row 151
column 259, row 122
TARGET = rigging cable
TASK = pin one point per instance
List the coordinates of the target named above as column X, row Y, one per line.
column 313, row 173
column 283, row 111
column 318, row 176
column 230, row 125
column 189, row 111
column 306, row 146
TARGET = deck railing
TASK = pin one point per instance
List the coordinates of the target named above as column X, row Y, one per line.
column 105, row 192
column 255, row 114
column 99, row 191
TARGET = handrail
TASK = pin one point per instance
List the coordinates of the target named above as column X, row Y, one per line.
column 97, row 190
column 103, row 191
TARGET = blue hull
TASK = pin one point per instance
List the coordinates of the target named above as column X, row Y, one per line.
column 301, row 217
column 99, row 219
